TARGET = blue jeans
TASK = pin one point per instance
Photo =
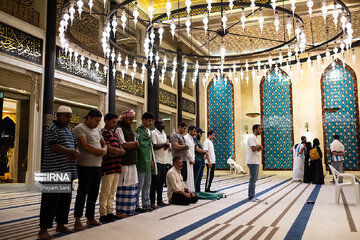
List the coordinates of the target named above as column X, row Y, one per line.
column 198, row 174
column 254, row 173
column 144, row 189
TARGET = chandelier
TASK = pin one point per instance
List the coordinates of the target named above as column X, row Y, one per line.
column 213, row 28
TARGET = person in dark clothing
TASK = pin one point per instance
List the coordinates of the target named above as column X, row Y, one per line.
column 317, row 175
column 307, row 171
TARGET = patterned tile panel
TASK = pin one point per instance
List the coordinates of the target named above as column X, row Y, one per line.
column 277, row 119
column 221, row 120
column 339, row 89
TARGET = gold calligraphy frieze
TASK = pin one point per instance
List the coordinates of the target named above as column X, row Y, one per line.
column 74, row 66
column 126, row 84
column 20, row 44
column 167, row 98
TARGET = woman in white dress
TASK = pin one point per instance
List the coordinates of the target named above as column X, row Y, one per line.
column 298, row 164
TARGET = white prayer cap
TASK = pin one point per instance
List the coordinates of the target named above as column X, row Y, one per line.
column 64, row 109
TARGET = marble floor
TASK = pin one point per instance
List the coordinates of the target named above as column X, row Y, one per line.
column 282, row 213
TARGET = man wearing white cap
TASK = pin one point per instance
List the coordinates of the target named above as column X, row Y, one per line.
column 59, row 155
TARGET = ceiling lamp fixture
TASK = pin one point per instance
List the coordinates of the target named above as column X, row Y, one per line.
column 293, row 7
column 243, row 19
column 168, row 8
column 119, row 60
column 205, row 21
column 289, row 27
column 209, row 2
column 335, row 15
column 310, row 4
column 104, row 3
column 152, row 74
column 252, row 5
column 80, row 4
column 173, row 73
column 114, row 24
column 89, row 63
column 343, row 21
column 113, row 55
column 353, row 56
column 82, row 59
column 126, row 63
column 222, row 52
column 157, row 59
column 151, row 10
column 224, row 21
column 172, row 27
column 184, row 73
column 188, row 24
column 161, row 32
column 123, row 19
column 273, row 4
column 231, row 4
column 261, row 21
column 114, row 71
column 72, row 12
column 324, row 10
column 105, row 70
column 91, row 4
column 276, row 22
column 134, row 65
column 188, row 6
column 136, row 14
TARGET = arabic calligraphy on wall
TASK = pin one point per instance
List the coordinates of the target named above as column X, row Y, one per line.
column 65, row 64
column 126, row 84
column 167, row 98
column 188, row 106
column 20, row 44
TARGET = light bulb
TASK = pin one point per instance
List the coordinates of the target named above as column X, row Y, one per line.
column 273, row 4
column 261, row 20
column 310, row 4
column 114, row 24
column 188, row 24
column 209, row 5
column 293, row 7
column 205, row 22
column 276, row 22
column 289, row 27
column 172, row 27
column 161, row 32
column 188, row 6
column 231, row 4
column 243, row 20
column 151, row 10
column 324, row 10
column 252, row 5
column 222, row 51
column 126, row 63
column 136, row 14
column 224, row 21
column 80, row 4
column 91, row 4
column 168, row 8
column 89, row 63
column 72, row 12
column 113, row 56
column 123, row 19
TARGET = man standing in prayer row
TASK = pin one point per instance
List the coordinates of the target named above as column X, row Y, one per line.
column 145, row 162
column 92, row 148
column 178, row 193
column 253, row 158
column 59, row 155
column 299, row 158
column 190, row 141
column 179, row 147
column 210, row 168
column 161, row 147
column 337, row 152
column 127, row 190
column 200, row 156
column 110, row 169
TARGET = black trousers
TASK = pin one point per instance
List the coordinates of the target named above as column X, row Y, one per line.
column 209, row 176
column 88, row 189
column 157, row 183
column 54, row 205
column 184, row 171
column 180, row 199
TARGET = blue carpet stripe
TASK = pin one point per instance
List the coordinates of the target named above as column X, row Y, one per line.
column 72, row 209
column 193, row 226
column 39, row 195
column 298, row 227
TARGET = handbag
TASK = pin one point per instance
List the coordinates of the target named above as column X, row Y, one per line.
column 314, row 154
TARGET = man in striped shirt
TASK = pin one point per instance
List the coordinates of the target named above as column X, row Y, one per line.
column 59, row 155
column 337, row 152
column 110, row 169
